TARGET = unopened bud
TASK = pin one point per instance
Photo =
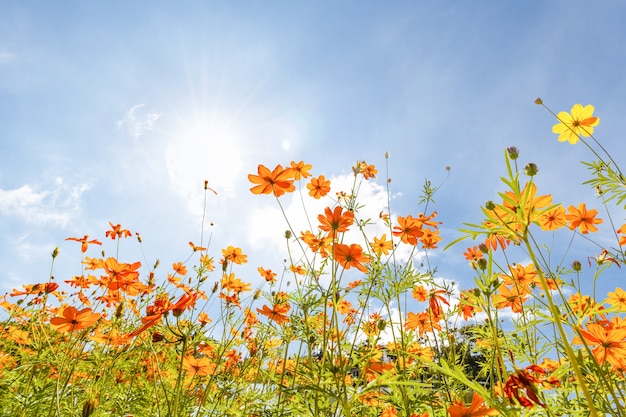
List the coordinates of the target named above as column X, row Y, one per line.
column 483, row 248
column 531, row 169
column 490, row 205
column 55, row 252
column 481, row 263
column 288, row 234
column 577, row 266
column 538, row 101
column 513, row 152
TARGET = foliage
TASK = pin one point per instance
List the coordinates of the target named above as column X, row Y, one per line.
column 357, row 323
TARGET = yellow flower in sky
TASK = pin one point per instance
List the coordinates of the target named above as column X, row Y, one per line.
column 572, row 125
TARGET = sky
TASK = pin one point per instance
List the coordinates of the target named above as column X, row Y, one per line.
column 118, row 111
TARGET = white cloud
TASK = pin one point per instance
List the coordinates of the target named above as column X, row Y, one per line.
column 137, row 121
column 55, row 206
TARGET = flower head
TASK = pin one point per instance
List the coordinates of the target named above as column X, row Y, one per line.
column 278, row 181
column 72, row 319
column 318, row 187
column 583, row 218
column 572, row 125
column 475, row 409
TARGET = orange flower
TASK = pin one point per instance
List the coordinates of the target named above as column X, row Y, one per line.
column 234, row 255
column 430, row 238
column 476, row 409
column 409, row 229
column 622, row 239
column 434, row 298
column 179, row 268
column 318, row 187
column 368, row 171
column 583, row 218
column 72, row 319
column 276, row 313
column 198, row 366
column 609, row 342
column 278, row 181
column 381, row 246
column 523, row 386
column 389, row 411
column 510, row 297
column 419, row 293
column 117, row 231
column 232, row 283
column 618, row 299
column 351, row 256
column 335, row 221
column 85, row 242
column 124, row 277
column 300, row 170
column 524, row 277
column 317, row 244
column 473, row 254
column 423, row 322
column 267, row 274
column 553, row 219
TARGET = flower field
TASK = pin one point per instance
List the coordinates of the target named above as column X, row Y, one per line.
column 354, row 323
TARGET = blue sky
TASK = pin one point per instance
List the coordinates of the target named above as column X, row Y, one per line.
column 118, row 111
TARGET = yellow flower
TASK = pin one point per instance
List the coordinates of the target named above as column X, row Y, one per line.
column 579, row 122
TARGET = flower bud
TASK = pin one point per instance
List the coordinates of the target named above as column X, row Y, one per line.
column 513, row 152
column 490, row 205
column 287, row 234
column 531, row 169
column 481, row 263
column 538, row 101
column 577, row 266
column 381, row 324
column 483, row 248
column 55, row 252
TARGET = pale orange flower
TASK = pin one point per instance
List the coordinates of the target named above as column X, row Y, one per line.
column 278, row 181
column 234, row 255
column 300, row 170
column 381, row 246
column 318, row 187
column 72, row 319
column 583, row 218
column 231, row 283
column 617, row 299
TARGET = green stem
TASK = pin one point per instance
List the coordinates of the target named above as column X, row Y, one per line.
column 571, row 355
